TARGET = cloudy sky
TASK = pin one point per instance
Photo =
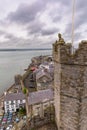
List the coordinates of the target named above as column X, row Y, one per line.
column 36, row 23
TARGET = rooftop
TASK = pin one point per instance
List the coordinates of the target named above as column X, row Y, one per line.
column 42, row 73
column 14, row 96
column 40, row 96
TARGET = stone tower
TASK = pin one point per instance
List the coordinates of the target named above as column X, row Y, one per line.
column 70, row 82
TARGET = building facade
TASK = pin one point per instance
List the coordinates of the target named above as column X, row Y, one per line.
column 13, row 101
column 70, row 82
column 43, row 80
column 38, row 101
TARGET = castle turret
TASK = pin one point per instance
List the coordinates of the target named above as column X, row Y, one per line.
column 70, row 82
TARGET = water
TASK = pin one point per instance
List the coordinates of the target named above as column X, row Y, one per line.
column 14, row 62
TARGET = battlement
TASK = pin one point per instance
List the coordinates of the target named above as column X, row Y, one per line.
column 62, row 53
column 70, row 85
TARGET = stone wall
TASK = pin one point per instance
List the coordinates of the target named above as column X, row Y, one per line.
column 70, row 82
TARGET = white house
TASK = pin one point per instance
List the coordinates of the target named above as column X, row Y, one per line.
column 13, row 101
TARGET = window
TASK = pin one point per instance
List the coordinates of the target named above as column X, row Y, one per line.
column 7, row 102
column 12, row 109
column 37, row 110
column 7, row 110
column 21, row 102
column 7, row 106
column 17, row 106
column 18, row 101
column 12, row 102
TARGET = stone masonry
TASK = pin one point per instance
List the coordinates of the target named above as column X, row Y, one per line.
column 70, row 82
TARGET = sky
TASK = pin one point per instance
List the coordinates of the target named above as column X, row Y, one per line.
column 36, row 23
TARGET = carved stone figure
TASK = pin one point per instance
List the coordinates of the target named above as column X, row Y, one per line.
column 61, row 40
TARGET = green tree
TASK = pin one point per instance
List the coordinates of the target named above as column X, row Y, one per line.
column 22, row 111
column 24, row 90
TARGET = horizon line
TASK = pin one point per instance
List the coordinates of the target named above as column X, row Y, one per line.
column 25, row 49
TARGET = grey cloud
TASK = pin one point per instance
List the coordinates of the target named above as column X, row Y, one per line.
column 78, row 36
column 26, row 13
column 78, row 21
column 35, row 27
column 11, row 39
column 82, row 19
column 60, row 11
column 66, row 2
column 57, row 18
column 68, row 33
column 29, row 15
column 63, row 2
column 16, row 42
column 80, row 5
column 2, row 32
column 55, row 15
column 50, row 31
column 86, row 30
column 68, row 29
column 9, row 36
column 80, row 13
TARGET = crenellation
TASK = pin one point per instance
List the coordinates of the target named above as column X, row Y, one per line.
column 63, row 51
column 70, row 82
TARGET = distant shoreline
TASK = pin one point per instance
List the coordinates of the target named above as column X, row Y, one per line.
column 37, row 49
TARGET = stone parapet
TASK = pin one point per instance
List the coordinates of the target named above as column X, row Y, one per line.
column 70, row 83
column 64, row 53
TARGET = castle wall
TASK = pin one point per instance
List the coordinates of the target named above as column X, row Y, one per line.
column 84, row 102
column 70, row 82
column 69, row 97
column 57, row 83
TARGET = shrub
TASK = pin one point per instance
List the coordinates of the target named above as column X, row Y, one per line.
column 24, row 90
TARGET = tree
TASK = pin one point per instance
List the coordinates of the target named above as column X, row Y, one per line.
column 22, row 111
column 24, row 90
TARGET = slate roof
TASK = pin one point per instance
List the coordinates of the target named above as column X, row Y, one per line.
column 37, row 70
column 42, row 73
column 40, row 96
column 14, row 96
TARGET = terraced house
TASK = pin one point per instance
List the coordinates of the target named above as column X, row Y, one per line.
column 13, row 101
column 38, row 101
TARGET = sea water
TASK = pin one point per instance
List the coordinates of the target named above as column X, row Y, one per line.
column 14, row 62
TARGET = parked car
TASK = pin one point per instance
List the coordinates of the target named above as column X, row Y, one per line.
column 9, row 118
column 0, row 118
column 3, row 122
column 5, row 116
column 8, row 128
column 8, row 121
column 2, row 128
column 24, row 117
column 4, row 119
column 17, row 120
column 10, row 113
